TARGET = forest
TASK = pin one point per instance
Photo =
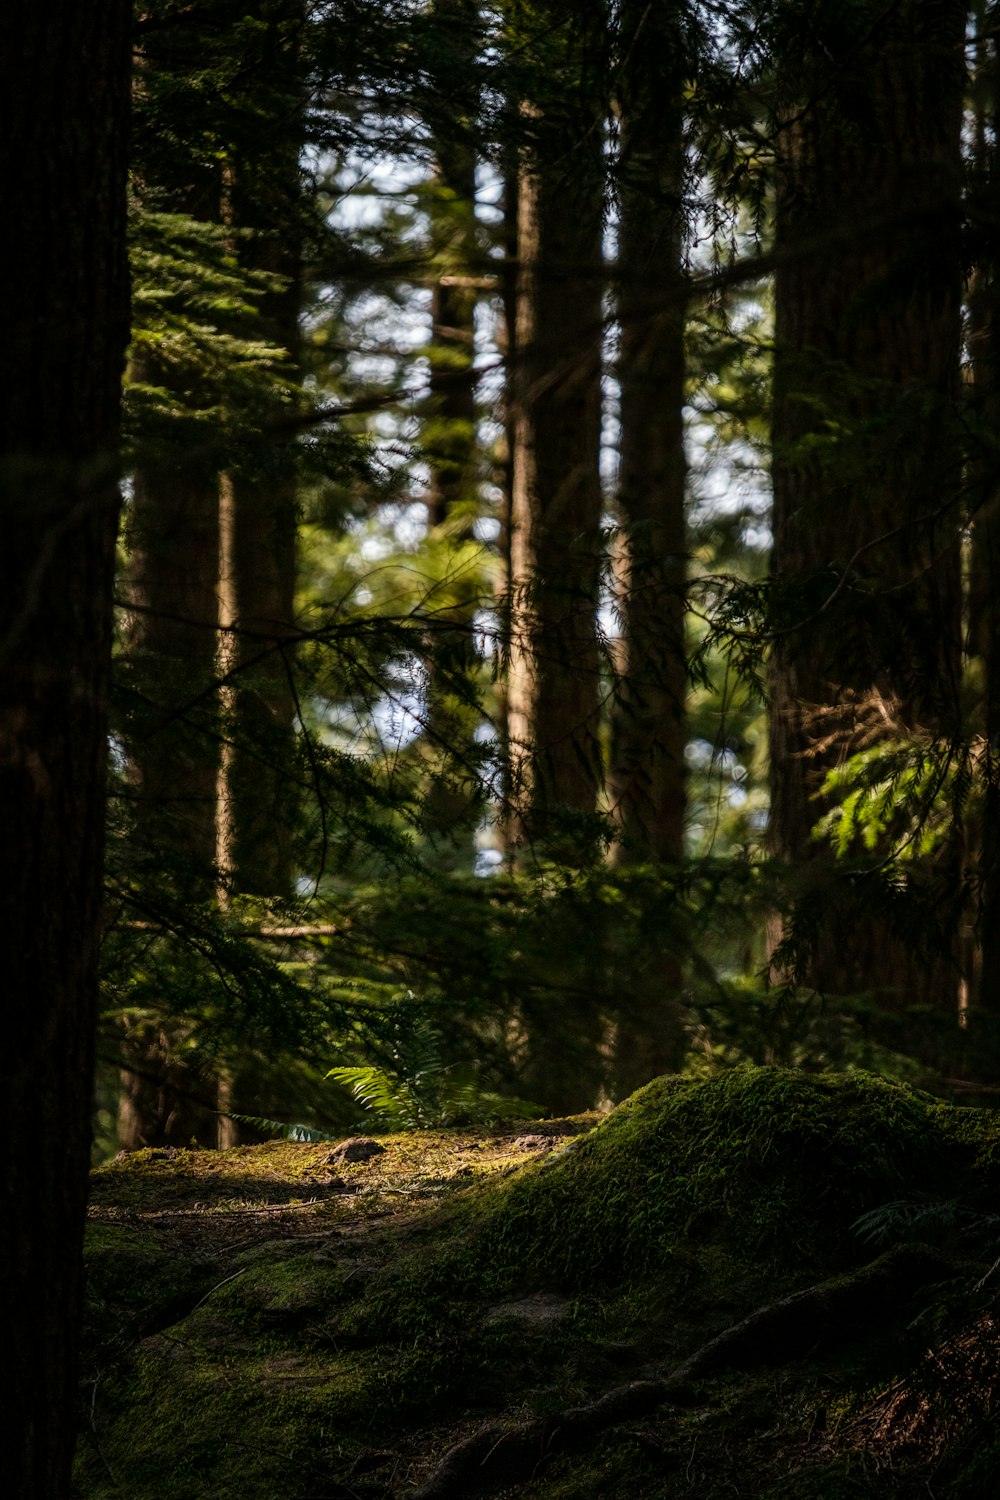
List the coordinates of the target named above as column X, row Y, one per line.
column 500, row 748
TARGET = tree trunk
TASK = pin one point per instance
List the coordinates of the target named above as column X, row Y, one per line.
column 867, row 338
column 173, row 538
column 983, row 967
column 553, row 686
column 64, row 81
column 173, row 735
column 452, row 455
column 646, row 781
column 554, row 675
column 265, row 199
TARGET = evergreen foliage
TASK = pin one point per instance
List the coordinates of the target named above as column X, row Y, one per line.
column 394, row 774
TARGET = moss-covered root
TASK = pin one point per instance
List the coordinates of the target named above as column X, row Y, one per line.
column 832, row 1312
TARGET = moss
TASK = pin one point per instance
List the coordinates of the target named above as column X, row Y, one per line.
column 290, row 1346
column 134, row 1284
column 769, row 1160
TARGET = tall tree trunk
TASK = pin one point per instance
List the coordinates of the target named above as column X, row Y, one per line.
column 553, row 689
column 263, row 561
column 172, row 535
column 265, row 201
column 452, row 454
column 866, row 558
column 64, row 319
column 983, row 966
column 554, row 676
column 646, row 781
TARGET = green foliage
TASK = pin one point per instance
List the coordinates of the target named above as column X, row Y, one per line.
column 417, row 1091
column 198, row 375
column 934, row 1220
column 901, row 799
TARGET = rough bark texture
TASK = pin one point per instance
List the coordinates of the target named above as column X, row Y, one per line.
column 553, row 686
column 265, row 200
column 646, row 780
column 264, row 574
column 865, row 377
column 64, row 83
column 983, row 954
column 173, row 539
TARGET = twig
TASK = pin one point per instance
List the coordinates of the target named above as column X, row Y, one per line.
column 233, row 1213
column 224, row 1282
column 93, row 1429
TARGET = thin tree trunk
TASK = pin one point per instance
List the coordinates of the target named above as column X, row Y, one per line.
column 265, row 200
column 452, row 452
column 172, row 536
column 646, row 780
column 983, row 978
column 64, row 321
column 866, row 556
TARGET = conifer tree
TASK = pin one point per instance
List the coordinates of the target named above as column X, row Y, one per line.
column 867, row 335
column 553, row 690
column 553, row 684
column 212, row 522
column 64, row 82
column 646, row 775
column 450, row 434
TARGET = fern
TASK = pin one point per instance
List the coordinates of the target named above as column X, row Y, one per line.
column 416, row 1091
column 282, row 1131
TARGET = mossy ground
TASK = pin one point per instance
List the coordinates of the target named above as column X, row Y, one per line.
column 267, row 1323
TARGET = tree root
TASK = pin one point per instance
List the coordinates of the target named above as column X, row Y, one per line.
column 820, row 1317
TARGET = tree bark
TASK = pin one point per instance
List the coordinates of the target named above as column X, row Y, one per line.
column 554, row 679
column 265, row 199
column 452, row 453
column 554, row 674
column 64, row 320
column 173, row 735
column 646, row 780
column 866, row 365
column 983, row 966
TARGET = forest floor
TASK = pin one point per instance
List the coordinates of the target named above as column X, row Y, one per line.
column 673, row 1301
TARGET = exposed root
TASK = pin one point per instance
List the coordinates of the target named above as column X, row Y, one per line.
column 820, row 1317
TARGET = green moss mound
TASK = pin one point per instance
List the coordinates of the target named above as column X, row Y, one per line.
column 772, row 1165
column 300, row 1351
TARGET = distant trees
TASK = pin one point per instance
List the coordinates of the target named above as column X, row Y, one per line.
column 331, row 232
column 211, row 525
column 64, row 77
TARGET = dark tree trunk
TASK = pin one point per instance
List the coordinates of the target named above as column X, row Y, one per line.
column 64, row 83
column 867, row 338
column 264, row 205
column 983, row 956
column 173, row 539
column 646, row 781
column 263, row 564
